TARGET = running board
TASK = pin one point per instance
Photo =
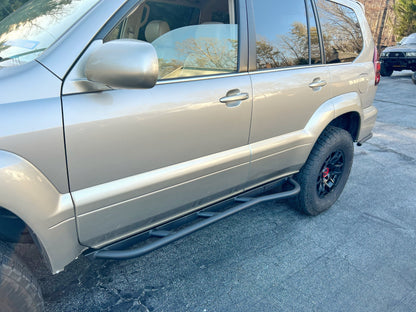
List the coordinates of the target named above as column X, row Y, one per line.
column 172, row 231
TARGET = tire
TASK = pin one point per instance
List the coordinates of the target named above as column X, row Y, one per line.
column 19, row 291
column 386, row 71
column 414, row 78
column 325, row 173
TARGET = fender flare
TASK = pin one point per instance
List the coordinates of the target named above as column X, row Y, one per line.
column 331, row 110
column 27, row 193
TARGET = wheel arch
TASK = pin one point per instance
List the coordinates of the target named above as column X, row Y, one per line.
column 350, row 122
column 12, row 228
column 343, row 111
column 29, row 199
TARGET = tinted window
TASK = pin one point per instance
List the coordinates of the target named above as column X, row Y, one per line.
column 284, row 33
column 341, row 32
column 189, row 40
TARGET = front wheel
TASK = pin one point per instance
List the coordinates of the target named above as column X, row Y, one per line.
column 19, row 291
column 386, row 71
column 325, row 173
column 414, row 77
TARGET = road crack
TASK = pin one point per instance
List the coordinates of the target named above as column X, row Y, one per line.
column 388, row 223
column 384, row 149
column 395, row 103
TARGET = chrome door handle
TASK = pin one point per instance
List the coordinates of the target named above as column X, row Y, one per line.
column 316, row 84
column 233, row 100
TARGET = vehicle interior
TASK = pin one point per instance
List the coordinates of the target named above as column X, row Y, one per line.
column 191, row 37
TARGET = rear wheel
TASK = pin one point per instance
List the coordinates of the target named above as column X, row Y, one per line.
column 386, row 71
column 19, row 291
column 325, row 173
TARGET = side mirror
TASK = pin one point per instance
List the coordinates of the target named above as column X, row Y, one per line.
column 123, row 63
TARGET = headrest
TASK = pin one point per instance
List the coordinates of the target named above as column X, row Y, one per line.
column 155, row 29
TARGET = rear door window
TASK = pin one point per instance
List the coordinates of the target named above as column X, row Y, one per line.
column 341, row 32
column 284, row 35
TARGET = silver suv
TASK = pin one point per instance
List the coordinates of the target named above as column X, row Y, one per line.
column 122, row 121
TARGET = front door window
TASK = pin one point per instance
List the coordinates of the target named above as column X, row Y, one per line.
column 190, row 41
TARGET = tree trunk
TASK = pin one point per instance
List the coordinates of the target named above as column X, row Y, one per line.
column 382, row 25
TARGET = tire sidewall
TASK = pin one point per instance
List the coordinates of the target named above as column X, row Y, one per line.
column 19, row 291
column 311, row 203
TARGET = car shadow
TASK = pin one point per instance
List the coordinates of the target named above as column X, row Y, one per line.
column 401, row 74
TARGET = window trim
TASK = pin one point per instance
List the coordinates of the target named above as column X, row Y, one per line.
column 252, row 63
column 319, row 29
column 122, row 13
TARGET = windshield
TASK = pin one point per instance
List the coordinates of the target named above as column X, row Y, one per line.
column 34, row 27
column 409, row 40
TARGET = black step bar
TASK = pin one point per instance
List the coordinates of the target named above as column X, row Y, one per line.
column 165, row 234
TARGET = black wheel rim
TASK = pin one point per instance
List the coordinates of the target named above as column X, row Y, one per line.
column 330, row 173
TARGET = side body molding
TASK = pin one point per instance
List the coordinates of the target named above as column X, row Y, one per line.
column 27, row 193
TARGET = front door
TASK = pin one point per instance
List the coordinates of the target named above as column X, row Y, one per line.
column 137, row 158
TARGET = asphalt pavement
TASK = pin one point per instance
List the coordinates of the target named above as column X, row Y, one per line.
column 358, row 256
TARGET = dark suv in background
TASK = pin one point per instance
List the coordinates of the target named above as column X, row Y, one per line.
column 399, row 57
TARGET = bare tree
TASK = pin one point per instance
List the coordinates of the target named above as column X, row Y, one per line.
column 268, row 56
column 382, row 24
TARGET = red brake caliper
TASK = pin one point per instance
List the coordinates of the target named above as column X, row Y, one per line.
column 325, row 173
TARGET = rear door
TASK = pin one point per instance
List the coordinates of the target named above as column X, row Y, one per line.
column 137, row 158
column 290, row 82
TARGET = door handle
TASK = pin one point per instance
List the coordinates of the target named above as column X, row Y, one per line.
column 317, row 84
column 234, row 98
